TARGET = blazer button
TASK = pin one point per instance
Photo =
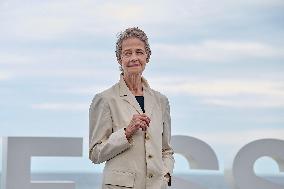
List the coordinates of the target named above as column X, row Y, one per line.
column 150, row 156
column 147, row 137
column 151, row 175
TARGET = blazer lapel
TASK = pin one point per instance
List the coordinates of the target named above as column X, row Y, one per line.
column 149, row 100
column 126, row 95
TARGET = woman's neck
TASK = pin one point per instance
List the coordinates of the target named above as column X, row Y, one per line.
column 134, row 83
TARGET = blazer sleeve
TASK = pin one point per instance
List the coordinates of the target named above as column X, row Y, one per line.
column 167, row 151
column 104, row 144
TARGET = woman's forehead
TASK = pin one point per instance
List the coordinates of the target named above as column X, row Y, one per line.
column 133, row 42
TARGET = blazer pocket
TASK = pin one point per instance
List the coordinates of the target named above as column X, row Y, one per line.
column 120, row 178
column 165, row 182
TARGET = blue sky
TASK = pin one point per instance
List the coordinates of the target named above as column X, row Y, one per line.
column 219, row 62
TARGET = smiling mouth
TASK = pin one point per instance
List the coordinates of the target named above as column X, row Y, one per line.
column 134, row 65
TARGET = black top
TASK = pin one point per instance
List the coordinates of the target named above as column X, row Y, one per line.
column 140, row 100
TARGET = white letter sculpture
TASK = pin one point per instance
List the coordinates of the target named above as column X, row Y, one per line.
column 198, row 154
column 17, row 153
column 242, row 175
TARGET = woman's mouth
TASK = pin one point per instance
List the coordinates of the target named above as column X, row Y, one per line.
column 133, row 65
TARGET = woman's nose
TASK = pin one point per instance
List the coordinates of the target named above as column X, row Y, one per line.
column 133, row 57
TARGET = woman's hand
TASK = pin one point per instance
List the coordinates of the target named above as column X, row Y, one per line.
column 168, row 179
column 138, row 121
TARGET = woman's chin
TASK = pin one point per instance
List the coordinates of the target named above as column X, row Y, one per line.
column 134, row 71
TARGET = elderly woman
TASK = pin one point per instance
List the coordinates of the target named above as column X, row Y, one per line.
column 130, row 125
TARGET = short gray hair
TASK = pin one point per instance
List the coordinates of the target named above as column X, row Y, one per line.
column 128, row 33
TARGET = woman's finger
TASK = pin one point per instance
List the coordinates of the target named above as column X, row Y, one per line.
column 143, row 125
column 148, row 118
column 145, row 119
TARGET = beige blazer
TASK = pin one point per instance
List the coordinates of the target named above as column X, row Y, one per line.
column 142, row 162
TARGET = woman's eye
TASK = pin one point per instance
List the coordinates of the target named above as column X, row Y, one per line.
column 127, row 54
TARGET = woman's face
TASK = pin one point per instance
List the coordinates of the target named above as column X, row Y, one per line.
column 133, row 56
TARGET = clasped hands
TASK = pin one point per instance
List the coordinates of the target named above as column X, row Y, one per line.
column 138, row 121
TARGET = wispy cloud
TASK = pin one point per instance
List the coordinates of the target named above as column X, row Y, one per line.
column 236, row 93
column 206, row 86
column 10, row 58
column 89, row 90
column 238, row 138
column 62, row 73
column 218, row 51
column 61, row 106
column 5, row 76
column 247, row 102
column 60, row 61
column 55, row 21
